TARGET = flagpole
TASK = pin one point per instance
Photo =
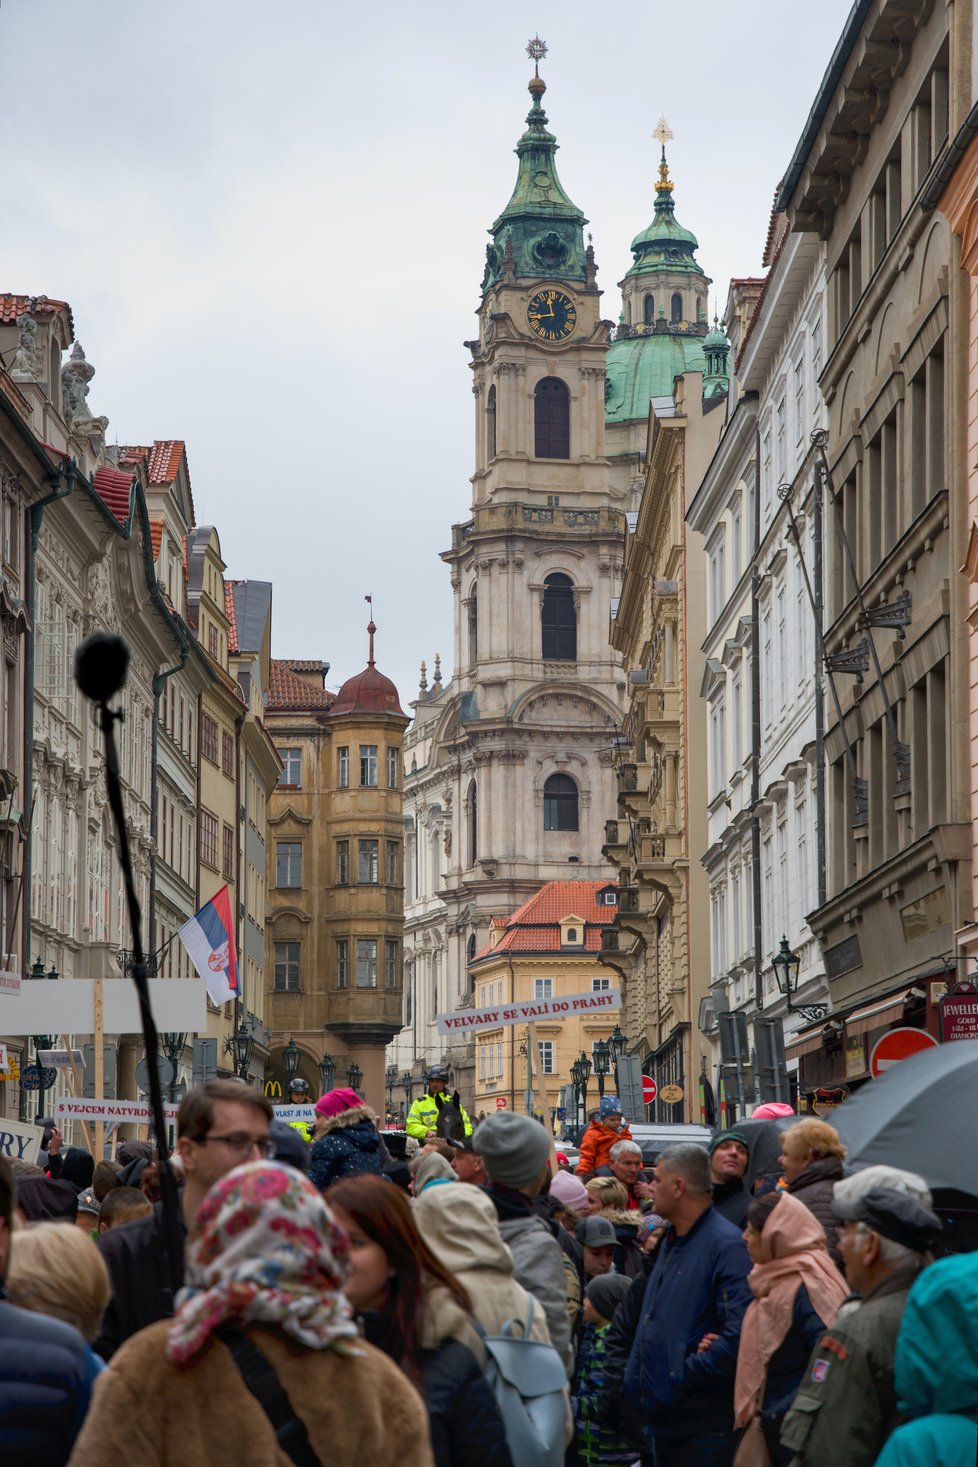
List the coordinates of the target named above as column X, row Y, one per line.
column 101, row 669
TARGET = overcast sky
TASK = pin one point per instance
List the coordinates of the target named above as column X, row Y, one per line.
column 269, row 218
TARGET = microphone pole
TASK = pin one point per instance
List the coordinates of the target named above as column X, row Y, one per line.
column 101, row 669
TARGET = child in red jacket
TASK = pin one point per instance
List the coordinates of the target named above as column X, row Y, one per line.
column 607, row 1127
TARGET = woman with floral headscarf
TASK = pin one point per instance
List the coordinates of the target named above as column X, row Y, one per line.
column 265, row 1260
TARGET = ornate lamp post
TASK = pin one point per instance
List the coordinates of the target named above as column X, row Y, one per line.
column 241, row 1045
column 173, row 1047
column 327, row 1069
column 407, row 1080
column 290, row 1057
column 41, row 1041
column 617, row 1044
column 581, row 1074
column 786, row 965
column 355, row 1075
column 601, row 1054
column 390, row 1077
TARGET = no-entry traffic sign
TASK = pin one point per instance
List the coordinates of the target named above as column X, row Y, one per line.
column 897, row 1045
column 649, row 1089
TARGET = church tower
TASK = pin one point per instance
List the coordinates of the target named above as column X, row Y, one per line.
column 508, row 769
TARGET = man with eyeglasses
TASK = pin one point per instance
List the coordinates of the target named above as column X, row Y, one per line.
column 220, row 1125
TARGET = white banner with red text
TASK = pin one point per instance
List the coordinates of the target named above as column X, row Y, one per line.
column 464, row 1021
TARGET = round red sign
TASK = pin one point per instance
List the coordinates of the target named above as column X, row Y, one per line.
column 500, row 1102
column 649, row 1089
column 897, row 1045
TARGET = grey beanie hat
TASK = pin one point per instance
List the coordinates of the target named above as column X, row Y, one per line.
column 606, row 1292
column 513, row 1148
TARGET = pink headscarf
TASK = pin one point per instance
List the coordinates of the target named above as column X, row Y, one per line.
column 264, row 1250
column 772, row 1110
column 794, row 1252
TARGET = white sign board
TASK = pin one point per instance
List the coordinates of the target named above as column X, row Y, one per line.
column 294, row 1112
column 585, row 1004
column 4, row 1062
column 76, row 1107
column 9, row 982
column 57, row 1059
column 19, row 1142
column 179, row 1004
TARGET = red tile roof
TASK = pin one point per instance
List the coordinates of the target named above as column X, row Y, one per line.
column 288, row 691
column 156, row 530
column 114, row 488
column 162, row 463
column 306, row 664
column 12, row 306
column 535, row 926
column 232, row 618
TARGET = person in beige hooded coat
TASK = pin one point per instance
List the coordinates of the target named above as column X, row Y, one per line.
column 461, row 1229
column 460, row 1226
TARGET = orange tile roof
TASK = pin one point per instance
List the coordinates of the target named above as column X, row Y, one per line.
column 288, row 691
column 162, row 463
column 12, row 306
column 232, row 618
column 305, row 664
column 535, row 926
column 156, row 530
column 114, row 488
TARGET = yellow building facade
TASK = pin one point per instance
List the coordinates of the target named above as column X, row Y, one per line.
column 549, row 948
column 335, row 874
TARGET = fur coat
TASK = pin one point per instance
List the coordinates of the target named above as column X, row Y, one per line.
column 147, row 1410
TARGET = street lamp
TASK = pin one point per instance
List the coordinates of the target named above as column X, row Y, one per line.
column 601, row 1054
column 390, row 1076
column 617, row 1043
column 327, row 1069
column 354, row 1074
column 407, row 1080
column 581, row 1074
column 173, row 1047
column 37, row 969
column 242, row 1046
column 786, row 965
column 290, row 1056
column 45, row 1042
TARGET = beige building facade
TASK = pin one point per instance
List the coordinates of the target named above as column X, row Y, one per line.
column 661, row 946
column 894, row 379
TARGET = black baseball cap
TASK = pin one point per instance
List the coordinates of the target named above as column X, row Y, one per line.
column 895, row 1215
column 464, row 1145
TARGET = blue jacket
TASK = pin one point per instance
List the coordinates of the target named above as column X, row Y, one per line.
column 937, row 1369
column 698, row 1286
column 350, row 1146
column 598, row 1443
column 46, row 1374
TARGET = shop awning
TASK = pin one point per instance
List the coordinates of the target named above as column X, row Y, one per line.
column 805, row 1043
column 877, row 1014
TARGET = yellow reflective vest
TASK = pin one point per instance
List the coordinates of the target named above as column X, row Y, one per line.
column 423, row 1117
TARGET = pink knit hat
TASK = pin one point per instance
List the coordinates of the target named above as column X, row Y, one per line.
column 569, row 1191
column 334, row 1101
column 773, row 1110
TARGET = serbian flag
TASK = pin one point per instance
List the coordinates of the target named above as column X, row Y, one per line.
column 209, row 939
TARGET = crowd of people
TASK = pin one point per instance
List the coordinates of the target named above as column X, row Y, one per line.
column 453, row 1300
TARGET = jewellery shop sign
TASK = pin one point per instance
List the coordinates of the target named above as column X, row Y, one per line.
column 463, row 1021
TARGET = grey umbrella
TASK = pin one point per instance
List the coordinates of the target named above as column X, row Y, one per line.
column 920, row 1115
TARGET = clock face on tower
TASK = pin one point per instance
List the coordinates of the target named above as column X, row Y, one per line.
column 551, row 314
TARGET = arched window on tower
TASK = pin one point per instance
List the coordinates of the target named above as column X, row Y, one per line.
column 560, row 803
column 472, row 822
column 649, row 310
column 677, row 309
column 552, row 419
column 559, row 620
column 491, row 424
column 473, row 627
column 470, row 950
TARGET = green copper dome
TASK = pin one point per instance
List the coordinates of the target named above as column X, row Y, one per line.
column 665, row 245
column 643, row 367
column 539, row 234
